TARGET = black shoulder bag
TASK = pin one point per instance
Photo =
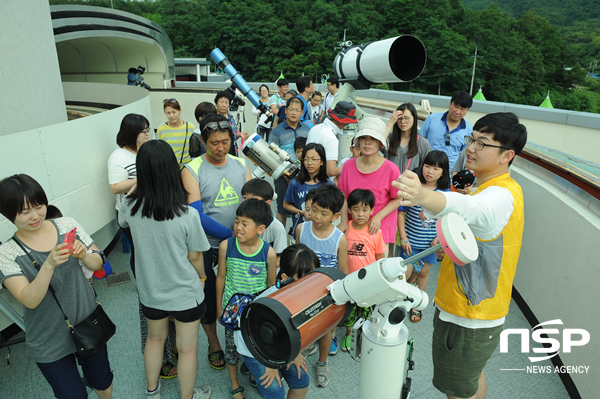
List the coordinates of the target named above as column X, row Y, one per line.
column 92, row 333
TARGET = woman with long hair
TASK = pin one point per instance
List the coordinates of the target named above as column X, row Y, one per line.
column 405, row 147
column 24, row 202
column 175, row 131
column 122, row 177
column 170, row 242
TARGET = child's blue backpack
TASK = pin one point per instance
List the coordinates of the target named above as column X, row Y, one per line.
column 234, row 308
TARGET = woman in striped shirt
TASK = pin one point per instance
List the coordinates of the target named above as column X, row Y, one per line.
column 176, row 132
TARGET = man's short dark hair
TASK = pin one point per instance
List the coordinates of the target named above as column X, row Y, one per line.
column 329, row 197
column 359, row 196
column 222, row 94
column 334, row 80
column 310, row 195
column 302, row 83
column 462, row 98
column 504, row 128
column 256, row 210
column 293, row 100
column 300, row 143
column 17, row 192
column 282, row 82
column 212, row 118
column 260, row 188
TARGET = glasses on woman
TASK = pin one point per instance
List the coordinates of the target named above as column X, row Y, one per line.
column 406, row 118
column 212, row 126
column 480, row 145
column 146, row 131
column 169, row 100
column 311, row 160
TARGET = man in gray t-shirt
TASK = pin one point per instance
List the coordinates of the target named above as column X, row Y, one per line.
column 214, row 184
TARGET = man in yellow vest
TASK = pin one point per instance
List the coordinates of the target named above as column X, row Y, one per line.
column 472, row 300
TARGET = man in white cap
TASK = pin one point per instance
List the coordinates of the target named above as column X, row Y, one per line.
column 326, row 133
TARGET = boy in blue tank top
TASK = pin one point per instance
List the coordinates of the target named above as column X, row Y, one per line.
column 331, row 247
column 246, row 265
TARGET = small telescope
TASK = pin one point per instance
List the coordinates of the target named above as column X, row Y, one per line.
column 269, row 157
column 239, row 82
column 134, row 77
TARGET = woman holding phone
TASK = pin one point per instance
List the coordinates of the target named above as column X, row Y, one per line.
column 170, row 241
column 24, row 202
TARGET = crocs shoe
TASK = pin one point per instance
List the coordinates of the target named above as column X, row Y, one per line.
column 310, row 350
column 202, row 393
column 346, row 343
column 333, row 349
column 156, row 393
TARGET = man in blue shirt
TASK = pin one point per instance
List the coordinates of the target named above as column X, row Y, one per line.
column 446, row 131
column 284, row 135
column 306, row 88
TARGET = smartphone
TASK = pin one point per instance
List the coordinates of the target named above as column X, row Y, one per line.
column 70, row 238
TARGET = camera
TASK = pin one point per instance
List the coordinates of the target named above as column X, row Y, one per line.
column 134, row 77
column 236, row 101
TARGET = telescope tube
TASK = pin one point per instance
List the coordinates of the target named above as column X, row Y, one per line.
column 235, row 76
column 394, row 60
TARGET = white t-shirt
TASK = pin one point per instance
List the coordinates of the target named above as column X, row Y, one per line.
column 326, row 135
column 121, row 167
column 329, row 99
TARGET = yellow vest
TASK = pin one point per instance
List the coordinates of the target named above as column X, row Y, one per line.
column 482, row 289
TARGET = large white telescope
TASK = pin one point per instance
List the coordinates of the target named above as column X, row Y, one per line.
column 398, row 59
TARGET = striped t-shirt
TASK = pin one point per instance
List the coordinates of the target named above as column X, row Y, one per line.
column 420, row 233
column 246, row 274
column 176, row 137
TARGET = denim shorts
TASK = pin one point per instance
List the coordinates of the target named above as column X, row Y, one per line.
column 182, row 316
column 459, row 355
column 274, row 391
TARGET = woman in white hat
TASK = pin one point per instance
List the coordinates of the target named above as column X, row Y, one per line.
column 372, row 171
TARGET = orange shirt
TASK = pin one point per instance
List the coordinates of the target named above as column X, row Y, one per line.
column 362, row 247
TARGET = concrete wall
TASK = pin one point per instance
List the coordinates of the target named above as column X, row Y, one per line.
column 69, row 160
column 29, row 73
column 557, row 274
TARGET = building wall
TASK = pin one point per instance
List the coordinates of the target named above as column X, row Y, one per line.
column 30, row 82
column 557, row 275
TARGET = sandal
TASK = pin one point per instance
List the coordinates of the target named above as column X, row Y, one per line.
column 214, row 358
column 237, row 391
column 416, row 313
column 165, row 371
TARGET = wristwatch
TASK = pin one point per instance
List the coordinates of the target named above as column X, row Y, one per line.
column 101, row 253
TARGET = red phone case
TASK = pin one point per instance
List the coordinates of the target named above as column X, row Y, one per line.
column 70, row 238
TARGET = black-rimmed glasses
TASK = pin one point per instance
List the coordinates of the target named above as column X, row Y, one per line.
column 480, row 145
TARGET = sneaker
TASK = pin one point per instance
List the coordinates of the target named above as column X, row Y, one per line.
column 322, row 374
column 310, row 350
column 156, row 393
column 202, row 393
column 333, row 349
column 346, row 343
column 244, row 369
